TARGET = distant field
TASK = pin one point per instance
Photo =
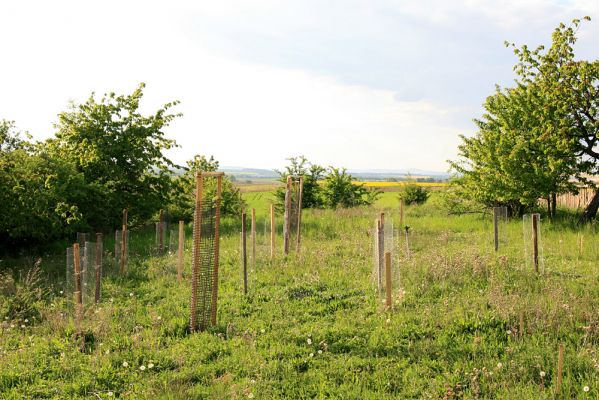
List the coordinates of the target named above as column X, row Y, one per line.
column 268, row 186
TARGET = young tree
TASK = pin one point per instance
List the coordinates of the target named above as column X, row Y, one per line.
column 182, row 199
column 119, row 151
column 312, row 174
column 341, row 191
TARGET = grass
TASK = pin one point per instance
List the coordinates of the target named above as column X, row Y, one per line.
column 312, row 326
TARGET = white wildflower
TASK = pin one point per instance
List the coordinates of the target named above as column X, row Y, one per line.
column 142, row 368
column 586, row 389
column 542, row 374
column 125, row 364
column 150, row 366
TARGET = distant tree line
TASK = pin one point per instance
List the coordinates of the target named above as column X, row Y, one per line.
column 539, row 138
column 105, row 156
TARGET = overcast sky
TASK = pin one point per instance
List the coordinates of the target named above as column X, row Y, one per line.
column 362, row 84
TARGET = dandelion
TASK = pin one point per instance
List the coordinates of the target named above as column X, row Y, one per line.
column 142, row 368
column 586, row 389
column 509, row 332
column 110, row 394
column 311, row 354
column 61, row 292
column 26, row 321
column 107, row 352
column 499, row 365
column 262, row 330
column 319, row 351
column 309, row 341
column 250, row 395
column 131, row 294
column 22, row 326
column 542, row 374
column 125, row 364
column 159, row 318
column 150, row 366
column 388, row 320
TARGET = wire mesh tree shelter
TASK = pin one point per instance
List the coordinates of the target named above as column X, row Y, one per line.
column 205, row 255
column 293, row 213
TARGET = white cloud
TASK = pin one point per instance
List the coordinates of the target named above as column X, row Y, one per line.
column 360, row 84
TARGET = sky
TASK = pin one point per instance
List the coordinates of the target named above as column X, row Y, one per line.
column 359, row 84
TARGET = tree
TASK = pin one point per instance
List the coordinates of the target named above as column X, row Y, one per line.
column 312, row 174
column 569, row 90
column 39, row 193
column 534, row 139
column 119, row 151
column 341, row 191
column 182, row 199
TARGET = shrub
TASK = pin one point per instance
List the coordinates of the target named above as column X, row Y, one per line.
column 414, row 194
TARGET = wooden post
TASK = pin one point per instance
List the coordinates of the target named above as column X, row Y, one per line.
column 496, row 227
column 407, row 229
column 253, row 237
column 381, row 247
column 535, row 241
column 244, row 253
column 388, row 284
column 299, row 213
column 272, row 231
column 180, row 251
column 124, row 240
column 161, row 232
column 219, row 182
column 287, row 216
column 98, row 267
column 560, row 369
column 78, row 295
column 402, row 204
column 195, row 263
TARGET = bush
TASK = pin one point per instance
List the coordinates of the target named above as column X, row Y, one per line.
column 414, row 194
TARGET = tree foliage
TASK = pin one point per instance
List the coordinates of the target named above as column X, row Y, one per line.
column 339, row 190
column 539, row 138
column 182, row 200
column 119, row 151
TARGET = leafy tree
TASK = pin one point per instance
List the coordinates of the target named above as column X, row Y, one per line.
column 312, row 174
column 119, row 151
column 411, row 193
column 534, row 138
column 182, row 200
column 341, row 191
column 39, row 192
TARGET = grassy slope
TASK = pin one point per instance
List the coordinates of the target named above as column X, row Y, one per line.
column 312, row 327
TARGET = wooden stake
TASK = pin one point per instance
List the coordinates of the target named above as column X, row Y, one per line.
column 381, row 246
column 244, row 253
column 535, row 241
column 124, row 240
column 402, row 204
column 287, row 216
column 560, row 369
column 161, row 232
column 219, row 182
column 98, row 267
column 299, row 213
column 496, row 227
column 272, row 231
column 388, row 284
column 195, row 263
column 253, row 237
column 78, row 292
column 180, row 251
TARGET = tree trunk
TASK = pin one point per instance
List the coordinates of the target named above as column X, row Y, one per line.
column 590, row 211
column 553, row 203
column 549, row 208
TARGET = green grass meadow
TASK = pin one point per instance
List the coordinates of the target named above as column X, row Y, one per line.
column 312, row 325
